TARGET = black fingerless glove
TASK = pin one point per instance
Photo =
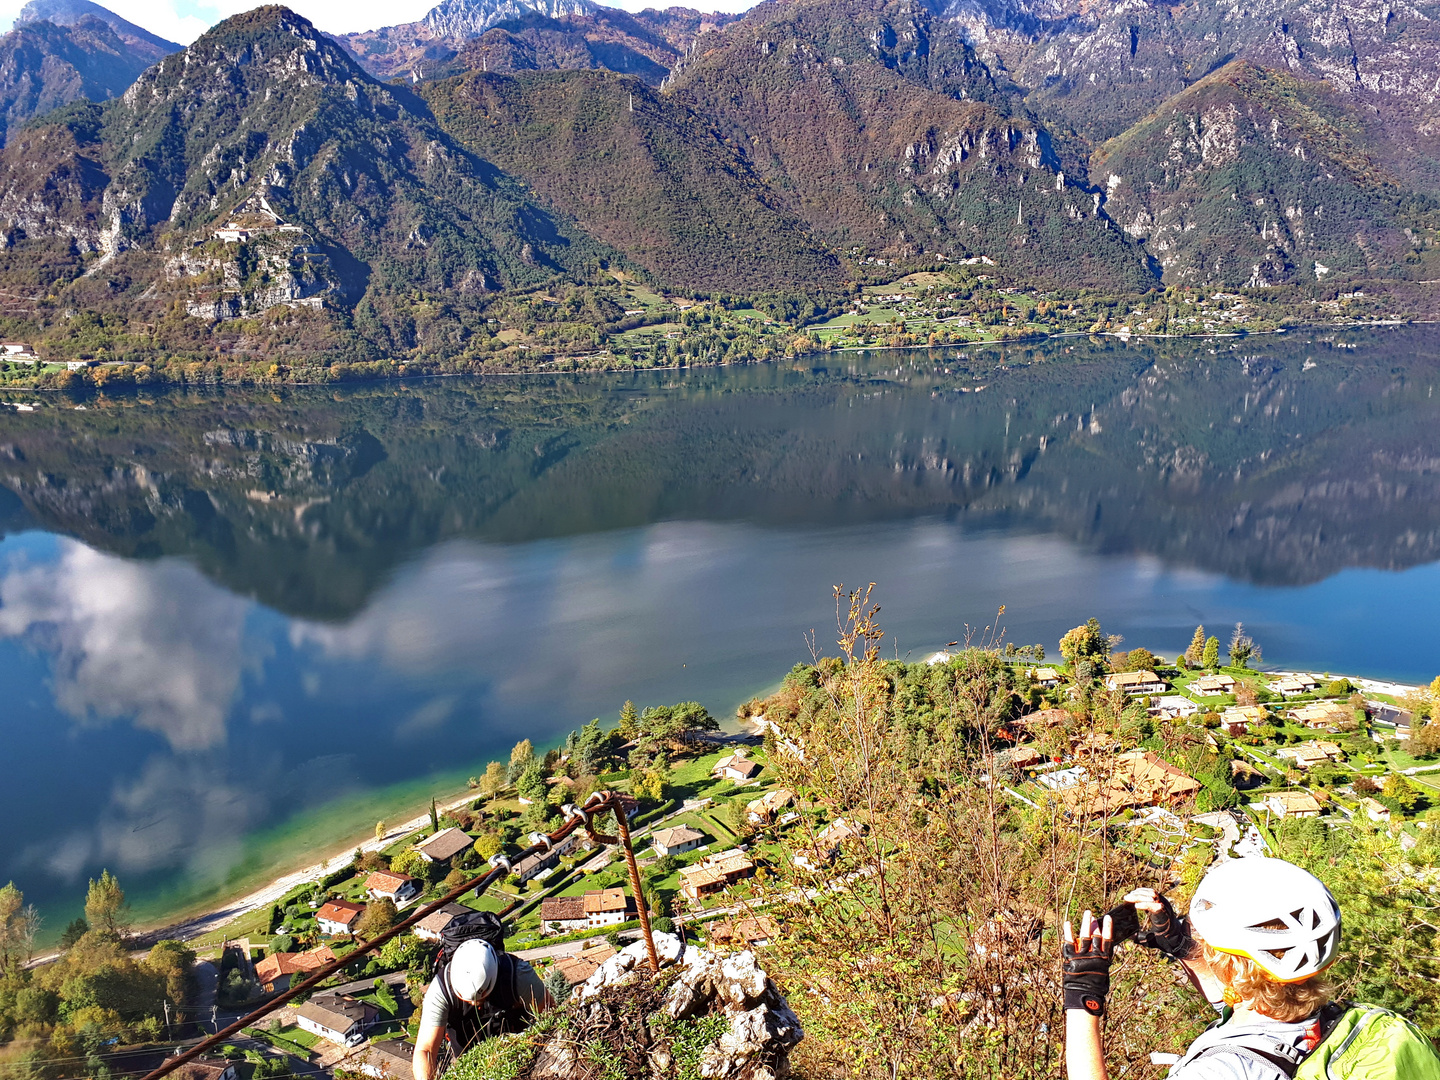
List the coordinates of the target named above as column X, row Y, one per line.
column 1087, row 974
column 1169, row 933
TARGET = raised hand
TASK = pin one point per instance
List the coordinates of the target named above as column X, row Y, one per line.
column 1169, row 933
column 1086, row 960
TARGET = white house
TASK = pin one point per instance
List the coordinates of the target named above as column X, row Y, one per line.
column 1046, row 677
column 674, row 840
column 736, row 767
column 1211, row 685
column 338, row 916
column 232, row 233
column 338, row 1018
column 388, row 885
column 564, row 847
column 1294, row 685
column 1172, row 705
column 389, row 1059
column 433, row 925
column 607, row 907
column 563, row 915
column 1136, row 683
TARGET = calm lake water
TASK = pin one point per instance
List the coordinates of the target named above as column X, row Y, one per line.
column 237, row 628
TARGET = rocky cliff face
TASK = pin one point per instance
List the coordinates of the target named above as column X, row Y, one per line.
column 557, row 34
column 704, row 1015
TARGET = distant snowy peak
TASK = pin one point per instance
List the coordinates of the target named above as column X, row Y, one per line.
column 459, row 19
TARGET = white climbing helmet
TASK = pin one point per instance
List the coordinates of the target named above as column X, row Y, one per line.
column 473, row 969
column 1271, row 911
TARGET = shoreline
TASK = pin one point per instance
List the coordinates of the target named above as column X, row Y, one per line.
column 217, row 916
column 545, row 367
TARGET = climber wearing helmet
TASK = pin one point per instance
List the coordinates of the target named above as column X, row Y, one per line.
column 478, row 993
column 1259, row 936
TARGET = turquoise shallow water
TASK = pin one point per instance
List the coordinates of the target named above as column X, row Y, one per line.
column 236, row 629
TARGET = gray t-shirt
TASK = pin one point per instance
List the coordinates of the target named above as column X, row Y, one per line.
column 1233, row 1066
column 433, row 1012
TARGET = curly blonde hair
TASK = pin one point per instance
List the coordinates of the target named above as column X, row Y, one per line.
column 1287, row 1002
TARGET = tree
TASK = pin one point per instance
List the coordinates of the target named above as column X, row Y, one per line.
column 1194, row 654
column 411, row 862
column 1401, row 792
column 494, row 780
column 521, row 757
column 488, row 846
column 1211, row 657
column 1085, row 643
column 1365, row 785
column 630, row 720
column 557, row 985
column 105, row 906
column 18, row 926
column 531, row 783
column 674, row 727
column 1137, row 659
column 380, row 915
column 434, row 816
column 380, row 830
column 1242, row 647
column 76, row 929
column 1425, row 739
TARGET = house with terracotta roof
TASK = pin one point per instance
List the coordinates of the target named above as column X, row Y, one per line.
column 1294, row 685
column 747, row 933
column 336, row 1017
column 1213, row 685
column 768, row 805
column 433, row 925
column 1045, row 677
column 207, row 1068
column 1312, row 752
column 1136, row 683
column 675, row 840
column 276, row 972
column 1133, row 779
column 388, row 885
column 1296, row 804
column 715, row 873
column 737, row 767
column 444, row 845
column 338, row 916
column 1374, row 809
column 389, row 1059
column 1324, row 714
column 1236, row 720
column 579, row 967
column 563, row 915
column 608, row 907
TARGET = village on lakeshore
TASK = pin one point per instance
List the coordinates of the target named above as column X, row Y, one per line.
column 714, row 819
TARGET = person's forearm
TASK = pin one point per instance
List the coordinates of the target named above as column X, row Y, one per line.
column 1084, row 1051
column 423, row 1064
column 1203, row 979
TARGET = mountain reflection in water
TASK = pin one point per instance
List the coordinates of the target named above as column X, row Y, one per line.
column 221, row 613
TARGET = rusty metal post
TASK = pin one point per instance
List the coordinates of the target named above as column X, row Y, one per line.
column 624, row 824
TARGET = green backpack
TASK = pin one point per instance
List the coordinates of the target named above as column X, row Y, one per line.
column 1357, row 1042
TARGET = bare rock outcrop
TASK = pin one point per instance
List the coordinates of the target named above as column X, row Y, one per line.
column 716, row 1015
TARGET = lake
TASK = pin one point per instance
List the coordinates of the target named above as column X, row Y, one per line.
column 238, row 627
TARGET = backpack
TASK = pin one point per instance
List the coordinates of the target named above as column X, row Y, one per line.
column 502, row 1012
column 1357, row 1042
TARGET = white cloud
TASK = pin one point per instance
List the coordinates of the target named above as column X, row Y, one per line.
column 154, row 643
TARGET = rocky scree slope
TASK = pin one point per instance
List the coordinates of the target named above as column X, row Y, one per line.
column 641, row 172
column 264, row 116
column 703, row 1015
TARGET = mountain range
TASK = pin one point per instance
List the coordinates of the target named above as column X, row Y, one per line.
column 385, row 187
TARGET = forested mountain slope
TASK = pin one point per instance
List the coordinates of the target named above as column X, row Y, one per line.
column 642, row 173
column 869, row 116
column 63, row 50
column 350, row 191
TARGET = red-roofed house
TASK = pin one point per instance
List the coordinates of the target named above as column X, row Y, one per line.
column 338, row 916
column 388, row 885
